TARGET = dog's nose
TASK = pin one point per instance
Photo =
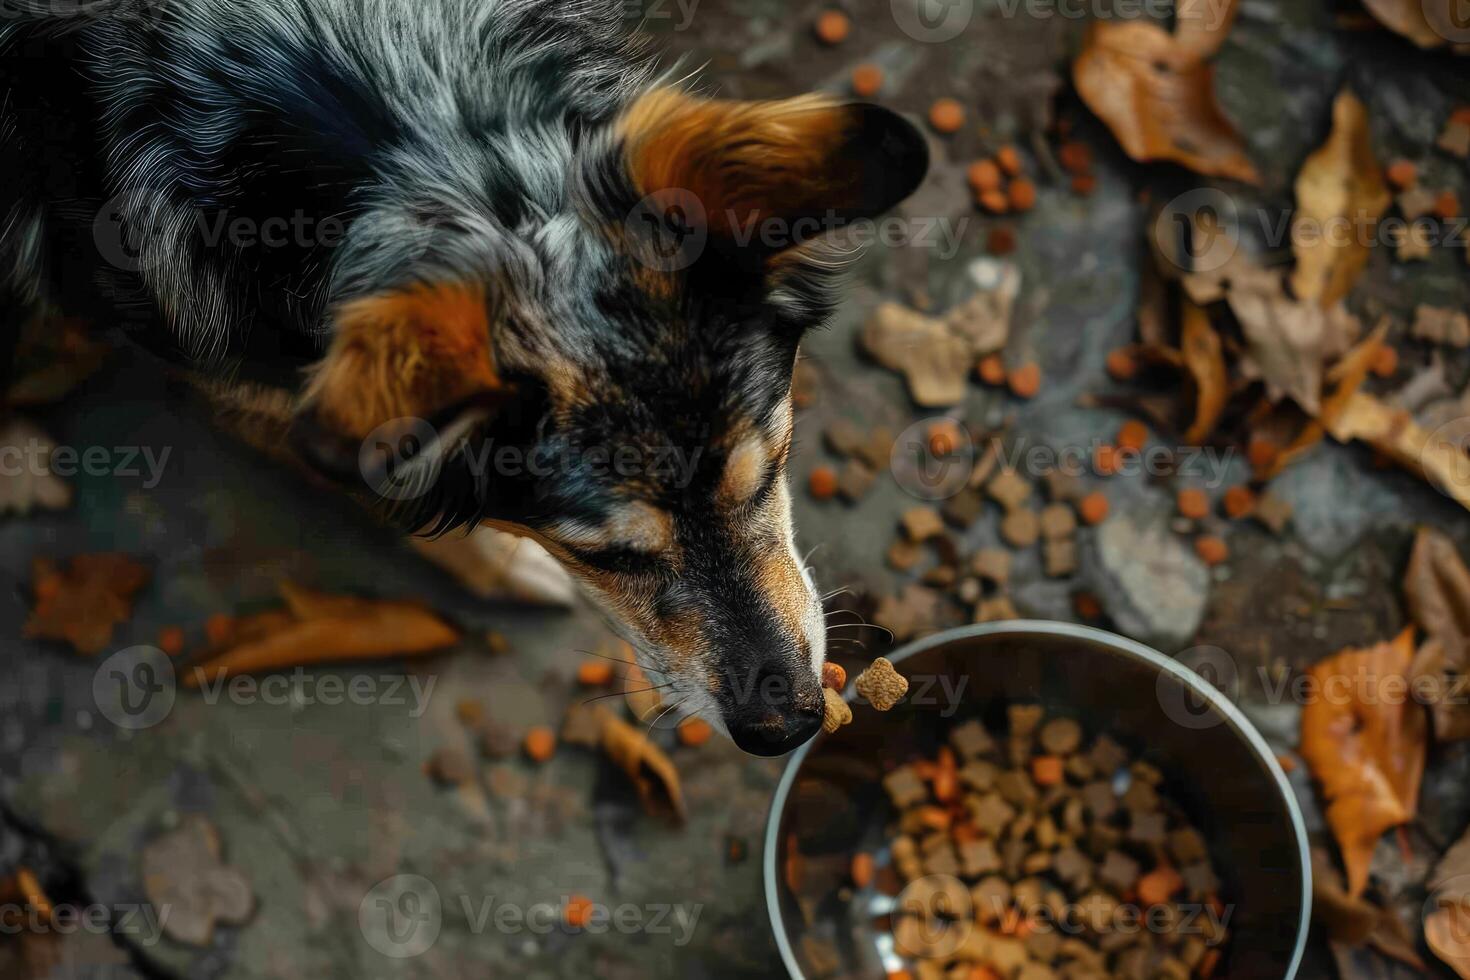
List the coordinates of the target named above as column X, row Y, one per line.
column 779, row 717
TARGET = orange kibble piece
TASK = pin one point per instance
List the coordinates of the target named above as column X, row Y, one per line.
column 1403, row 174
column 823, row 483
column 935, row 817
column 1239, row 501
column 1075, row 158
column 217, row 628
column 947, row 116
column 899, row 975
column 1261, row 453
column 171, row 640
column 1025, row 381
column 834, row 676
column 1133, row 435
column 833, row 26
column 984, row 176
column 944, row 437
column 996, row 202
column 1047, row 770
column 1022, row 194
column 695, row 731
column 978, row 972
column 1211, row 550
column 595, row 673
column 992, row 369
column 1001, row 240
column 1093, row 509
column 1083, row 184
column 1156, row 887
column 1087, row 605
column 1385, row 361
column 1447, row 205
column 867, row 80
column 578, row 911
column 861, row 870
column 1193, row 503
column 1121, row 365
column 1106, row 460
column 540, row 743
column 1009, row 160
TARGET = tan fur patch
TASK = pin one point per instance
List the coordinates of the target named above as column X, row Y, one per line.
column 744, row 161
column 635, row 525
column 781, row 582
column 404, row 354
column 744, row 468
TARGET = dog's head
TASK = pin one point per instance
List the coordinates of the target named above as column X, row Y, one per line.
column 616, row 382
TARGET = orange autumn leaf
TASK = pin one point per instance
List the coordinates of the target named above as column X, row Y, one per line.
column 1156, row 93
column 84, row 602
column 1205, row 358
column 1364, row 740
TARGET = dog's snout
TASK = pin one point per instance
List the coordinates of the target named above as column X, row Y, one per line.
column 783, row 710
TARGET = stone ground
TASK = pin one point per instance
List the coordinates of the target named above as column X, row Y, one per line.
column 317, row 804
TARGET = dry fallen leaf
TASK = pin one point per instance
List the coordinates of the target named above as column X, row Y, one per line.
column 1437, row 592
column 29, row 483
column 934, row 361
column 321, row 628
column 1365, row 747
column 1447, row 932
column 1289, row 342
column 652, row 772
column 83, row 603
column 1393, row 432
column 1156, row 93
column 1340, row 195
column 1206, row 362
column 1352, row 921
column 182, row 871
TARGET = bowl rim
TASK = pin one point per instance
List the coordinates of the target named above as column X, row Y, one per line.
column 1119, row 644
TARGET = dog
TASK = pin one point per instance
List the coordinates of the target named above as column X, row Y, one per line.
column 480, row 261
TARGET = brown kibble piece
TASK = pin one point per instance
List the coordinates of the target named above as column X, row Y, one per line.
column 1093, row 508
column 540, row 744
column 944, row 437
column 1020, row 528
column 867, row 80
column 1075, row 158
column 1001, row 240
column 1107, row 460
column 823, row 483
column 1022, row 194
column 836, row 712
column 1385, row 361
column 1009, row 160
column 882, row 686
column 1086, row 605
column 856, row 480
column 1402, row 174
column 992, row 369
column 1193, row 503
column 1211, row 550
column 1059, row 557
column 1025, row 381
column 1133, row 435
column 833, row 26
column 1083, row 184
column 1159, row 885
column 694, row 732
column 171, row 640
column 1060, row 736
column 450, row 767
column 1008, row 488
column 1447, row 206
column 984, row 176
column 996, row 202
column 922, row 523
column 1238, row 501
column 947, row 116
column 1047, row 770
column 1058, row 521
column 1121, row 365
column 861, row 870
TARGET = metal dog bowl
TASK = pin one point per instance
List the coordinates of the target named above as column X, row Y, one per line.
column 830, row 802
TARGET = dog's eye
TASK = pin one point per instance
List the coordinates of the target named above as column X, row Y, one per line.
column 619, row 561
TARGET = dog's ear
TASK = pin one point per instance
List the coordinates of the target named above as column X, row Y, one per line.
column 408, row 372
column 805, row 162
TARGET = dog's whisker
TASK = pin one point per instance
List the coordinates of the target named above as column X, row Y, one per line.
column 616, row 694
column 604, row 656
column 671, row 707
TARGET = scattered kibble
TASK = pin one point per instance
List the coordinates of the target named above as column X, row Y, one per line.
column 578, row 912
column 833, row 26
column 1211, row 550
column 1447, row 206
column 1261, row 453
column 861, row 870
column 1133, row 435
column 171, row 640
column 1106, row 460
column 1403, row 174
column 836, row 711
column 1001, row 240
column 992, row 369
column 1238, row 501
column 694, row 732
column 1075, row 157
column 1025, row 381
column 1193, row 503
column 1009, row 160
column 539, row 744
column 1093, row 508
column 944, row 437
column 834, row 676
column 1385, row 361
column 984, row 176
column 1084, row 184
column 1086, row 605
column 1121, row 365
column 867, row 80
column 947, row 116
column 1022, row 194
column 595, row 673
column 217, row 628
column 450, row 767
column 996, row 202
column 823, row 483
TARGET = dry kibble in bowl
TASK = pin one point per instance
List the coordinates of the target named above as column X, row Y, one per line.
column 1039, row 852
